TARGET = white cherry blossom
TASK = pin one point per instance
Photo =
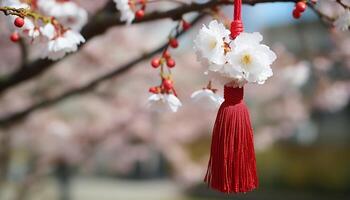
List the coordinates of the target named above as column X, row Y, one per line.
column 207, row 97
column 48, row 31
column 58, row 47
column 242, row 60
column 210, row 42
column 164, row 102
column 33, row 33
column 250, row 58
column 14, row 4
column 127, row 15
column 53, row 43
column 67, row 13
column 29, row 29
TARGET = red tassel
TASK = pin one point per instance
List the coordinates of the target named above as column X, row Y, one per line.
column 232, row 165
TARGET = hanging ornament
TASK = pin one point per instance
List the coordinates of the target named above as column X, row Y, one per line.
column 238, row 58
column 163, row 97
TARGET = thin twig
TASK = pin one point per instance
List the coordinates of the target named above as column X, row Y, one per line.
column 343, row 4
column 171, row 1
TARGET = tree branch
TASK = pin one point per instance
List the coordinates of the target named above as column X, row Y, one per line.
column 19, row 115
column 103, row 21
column 325, row 19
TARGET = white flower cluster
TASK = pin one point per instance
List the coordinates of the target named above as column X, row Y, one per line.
column 127, row 15
column 58, row 46
column 169, row 102
column 54, row 40
column 242, row 60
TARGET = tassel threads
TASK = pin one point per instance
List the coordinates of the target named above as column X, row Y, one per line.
column 232, row 165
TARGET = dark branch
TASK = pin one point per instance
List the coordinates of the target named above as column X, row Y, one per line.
column 14, row 117
column 103, row 21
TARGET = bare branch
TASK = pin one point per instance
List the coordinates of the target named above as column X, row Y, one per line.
column 343, row 4
column 325, row 19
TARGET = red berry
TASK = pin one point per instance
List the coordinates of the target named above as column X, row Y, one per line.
column 296, row 14
column 185, row 25
column 139, row 14
column 168, row 84
column 173, row 43
column 142, row 2
column 19, row 22
column 170, row 63
column 153, row 90
column 155, row 63
column 14, row 37
column 300, row 6
column 166, row 54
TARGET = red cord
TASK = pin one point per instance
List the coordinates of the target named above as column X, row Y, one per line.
column 237, row 25
column 237, row 10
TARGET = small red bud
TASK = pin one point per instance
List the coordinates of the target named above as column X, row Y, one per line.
column 153, row 90
column 143, row 2
column 19, row 22
column 14, row 37
column 300, row 6
column 173, row 43
column 170, row 63
column 139, row 14
column 155, row 63
column 166, row 55
column 186, row 25
column 168, row 84
column 296, row 14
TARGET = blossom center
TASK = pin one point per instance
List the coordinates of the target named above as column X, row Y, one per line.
column 212, row 44
column 246, row 59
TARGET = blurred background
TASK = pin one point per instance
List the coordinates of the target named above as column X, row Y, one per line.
column 107, row 145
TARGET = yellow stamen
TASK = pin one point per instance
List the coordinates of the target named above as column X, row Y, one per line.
column 212, row 44
column 246, row 59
